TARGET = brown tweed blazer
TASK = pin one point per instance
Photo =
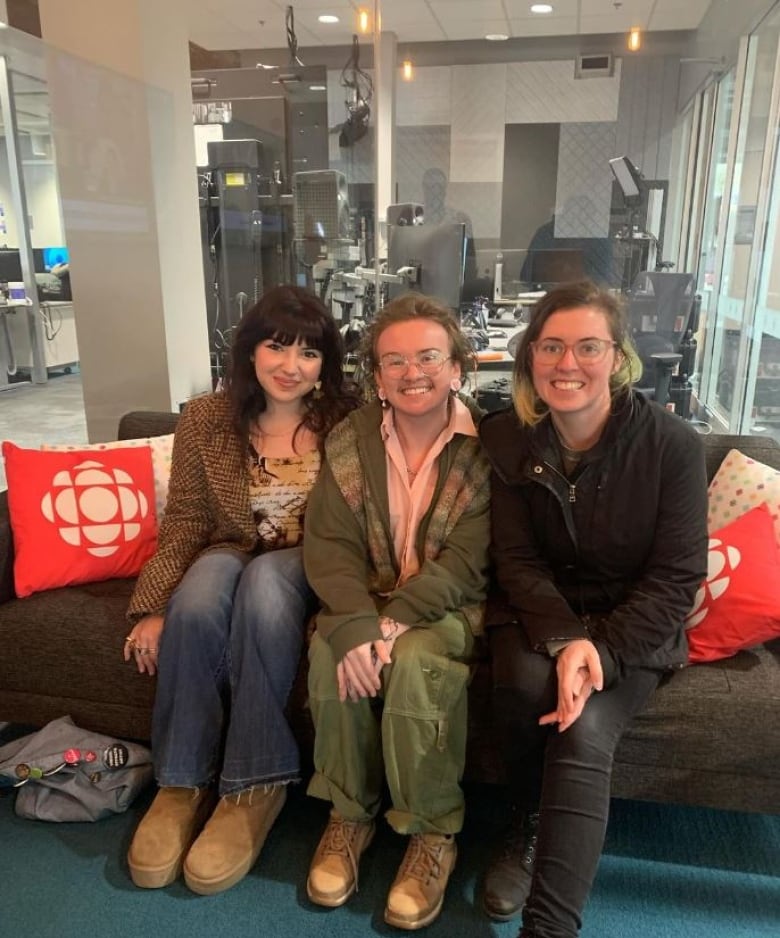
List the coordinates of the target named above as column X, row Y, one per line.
column 207, row 507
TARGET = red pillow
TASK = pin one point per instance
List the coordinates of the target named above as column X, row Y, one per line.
column 78, row 517
column 738, row 605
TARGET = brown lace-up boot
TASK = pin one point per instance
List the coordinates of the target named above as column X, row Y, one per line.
column 417, row 894
column 333, row 875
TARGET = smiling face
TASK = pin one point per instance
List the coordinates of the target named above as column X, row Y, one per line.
column 286, row 372
column 408, row 389
column 569, row 386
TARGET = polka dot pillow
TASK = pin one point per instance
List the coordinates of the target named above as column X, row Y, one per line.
column 739, row 485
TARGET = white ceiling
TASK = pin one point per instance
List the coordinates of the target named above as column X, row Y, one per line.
column 260, row 24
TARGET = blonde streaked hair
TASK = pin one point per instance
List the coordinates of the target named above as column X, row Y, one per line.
column 530, row 408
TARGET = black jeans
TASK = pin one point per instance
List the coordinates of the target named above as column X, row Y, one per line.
column 566, row 775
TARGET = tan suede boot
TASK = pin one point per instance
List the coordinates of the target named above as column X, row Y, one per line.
column 233, row 838
column 417, row 894
column 166, row 833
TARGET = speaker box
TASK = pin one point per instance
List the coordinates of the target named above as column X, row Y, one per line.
column 321, row 205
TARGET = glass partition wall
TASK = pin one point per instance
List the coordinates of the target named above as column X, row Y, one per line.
column 738, row 372
column 321, row 173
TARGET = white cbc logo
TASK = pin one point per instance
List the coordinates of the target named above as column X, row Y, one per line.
column 95, row 507
column 722, row 560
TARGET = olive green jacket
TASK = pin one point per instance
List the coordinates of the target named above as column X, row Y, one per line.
column 348, row 546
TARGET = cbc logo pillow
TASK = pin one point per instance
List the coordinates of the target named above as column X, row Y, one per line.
column 738, row 604
column 722, row 560
column 79, row 516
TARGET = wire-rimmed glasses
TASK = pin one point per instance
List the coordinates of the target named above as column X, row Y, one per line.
column 586, row 351
column 430, row 362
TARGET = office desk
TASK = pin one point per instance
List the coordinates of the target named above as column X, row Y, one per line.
column 8, row 357
column 58, row 332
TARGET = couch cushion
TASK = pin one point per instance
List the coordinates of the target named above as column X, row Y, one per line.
column 738, row 604
column 68, row 643
column 160, row 447
column 740, row 484
column 79, row 516
column 714, row 720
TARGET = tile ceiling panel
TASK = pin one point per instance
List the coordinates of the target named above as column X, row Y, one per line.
column 549, row 26
column 460, row 10
column 243, row 24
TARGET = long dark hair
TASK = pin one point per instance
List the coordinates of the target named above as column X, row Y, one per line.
column 528, row 405
column 288, row 315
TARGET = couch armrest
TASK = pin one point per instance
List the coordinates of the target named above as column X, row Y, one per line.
column 6, row 552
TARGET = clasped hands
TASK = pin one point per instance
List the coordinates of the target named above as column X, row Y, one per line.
column 358, row 672
column 579, row 673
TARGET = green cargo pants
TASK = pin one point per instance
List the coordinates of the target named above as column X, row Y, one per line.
column 418, row 743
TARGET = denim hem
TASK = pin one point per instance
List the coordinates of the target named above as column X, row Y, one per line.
column 183, row 781
column 237, row 786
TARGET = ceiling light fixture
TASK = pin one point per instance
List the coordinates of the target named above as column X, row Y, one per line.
column 634, row 39
column 496, row 37
column 407, row 70
column 364, row 20
column 318, row 88
column 328, row 18
column 541, row 8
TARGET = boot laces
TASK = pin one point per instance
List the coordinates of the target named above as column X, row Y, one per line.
column 422, row 860
column 339, row 838
column 520, row 843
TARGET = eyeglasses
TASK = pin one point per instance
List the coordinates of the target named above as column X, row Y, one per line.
column 429, row 362
column 586, row 351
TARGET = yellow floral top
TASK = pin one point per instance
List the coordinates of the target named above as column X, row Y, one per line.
column 278, row 491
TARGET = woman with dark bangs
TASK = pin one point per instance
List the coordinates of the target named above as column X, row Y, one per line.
column 220, row 610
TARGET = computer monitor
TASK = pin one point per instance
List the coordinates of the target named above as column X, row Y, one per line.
column 560, row 265
column 38, row 265
column 439, row 251
column 53, row 257
column 10, row 265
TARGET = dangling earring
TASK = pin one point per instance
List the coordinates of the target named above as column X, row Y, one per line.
column 455, row 385
column 382, row 398
column 317, row 392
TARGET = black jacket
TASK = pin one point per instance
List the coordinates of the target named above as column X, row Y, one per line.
column 617, row 553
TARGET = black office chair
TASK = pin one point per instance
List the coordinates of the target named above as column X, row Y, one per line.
column 663, row 317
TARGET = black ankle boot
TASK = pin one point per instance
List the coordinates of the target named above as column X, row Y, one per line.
column 508, row 879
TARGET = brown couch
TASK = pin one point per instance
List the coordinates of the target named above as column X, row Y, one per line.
column 708, row 738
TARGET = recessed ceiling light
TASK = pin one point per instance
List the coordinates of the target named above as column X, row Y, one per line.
column 541, row 8
column 317, row 88
column 328, row 18
column 496, row 37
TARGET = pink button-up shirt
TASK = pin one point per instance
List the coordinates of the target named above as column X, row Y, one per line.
column 409, row 499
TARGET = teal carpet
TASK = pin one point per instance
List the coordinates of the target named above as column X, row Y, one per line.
column 667, row 872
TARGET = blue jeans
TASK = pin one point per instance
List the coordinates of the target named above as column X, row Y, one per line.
column 228, row 657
